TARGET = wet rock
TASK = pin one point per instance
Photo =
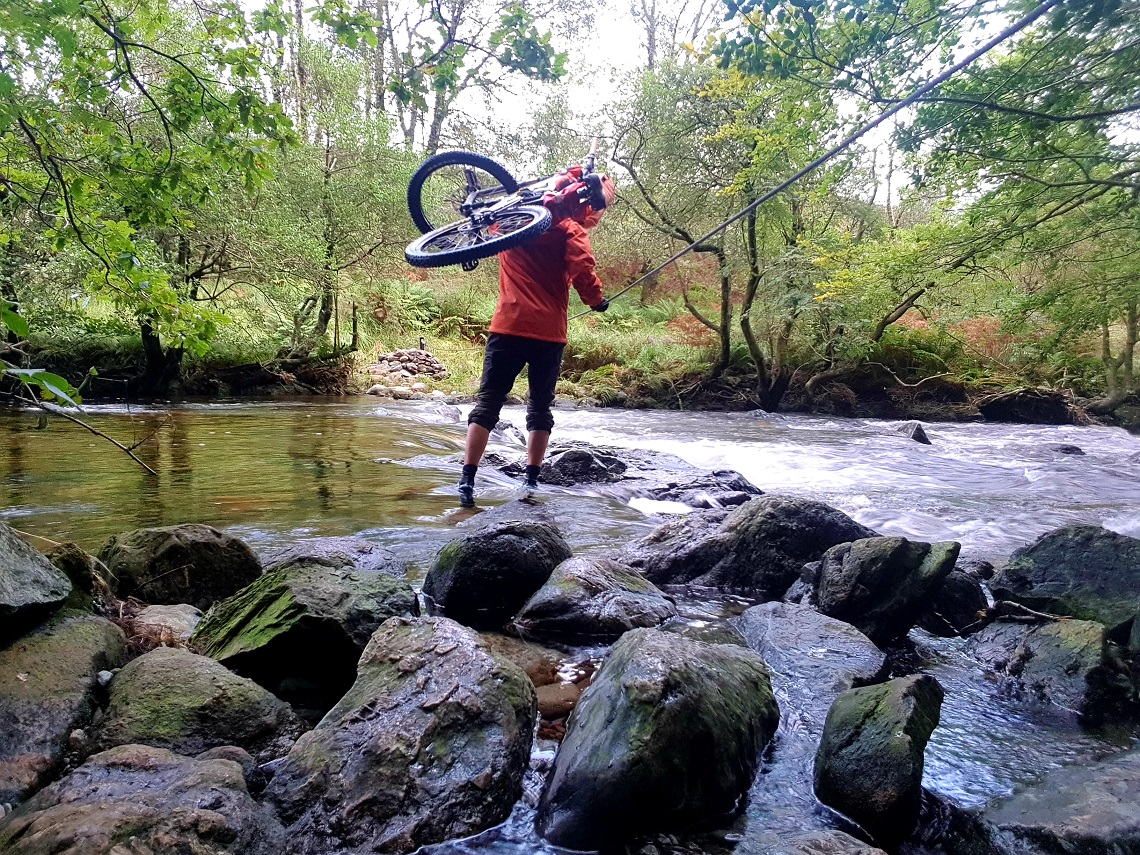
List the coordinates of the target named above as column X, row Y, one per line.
column 1069, row 449
column 1083, row 571
column 557, row 700
column 824, row 843
column 880, row 585
column 708, row 631
column 758, row 548
column 540, row 663
column 190, row 563
column 1090, row 810
column 669, row 733
column 1028, row 406
column 80, row 567
column 483, row 579
column 48, row 682
column 958, row 607
column 352, row 553
column 977, row 567
column 870, row 760
column 172, row 624
column 187, row 703
column 299, row 630
column 31, row 587
column 913, row 430
column 136, row 800
column 1069, row 663
column 580, row 466
column 593, row 600
column 429, row 744
column 506, row 432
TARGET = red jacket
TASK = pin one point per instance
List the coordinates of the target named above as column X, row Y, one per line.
column 535, row 280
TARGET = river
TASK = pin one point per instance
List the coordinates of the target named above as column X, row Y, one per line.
column 276, row 472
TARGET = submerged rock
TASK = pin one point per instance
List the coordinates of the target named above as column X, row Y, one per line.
column 958, row 607
column 758, row 548
column 1082, row 571
column 189, row 563
column 913, row 430
column 880, row 585
column 187, row 703
column 429, row 744
column 31, row 587
column 870, row 759
column 483, row 579
column 669, row 734
column 593, row 600
column 299, row 630
column 136, row 800
column 48, row 683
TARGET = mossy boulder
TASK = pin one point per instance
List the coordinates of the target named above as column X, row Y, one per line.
column 483, row 579
column 137, row 800
column 758, row 549
column 430, row 743
column 881, row 585
column 189, row 563
column 299, row 630
column 593, row 600
column 31, row 587
column 47, row 689
column 175, row 699
column 1082, row 571
column 870, row 759
column 958, row 607
column 669, row 734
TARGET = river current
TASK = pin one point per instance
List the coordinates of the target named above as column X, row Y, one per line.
column 278, row 472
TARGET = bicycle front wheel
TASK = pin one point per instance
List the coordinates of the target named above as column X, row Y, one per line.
column 439, row 187
column 468, row 241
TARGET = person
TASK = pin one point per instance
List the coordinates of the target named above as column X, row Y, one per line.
column 529, row 329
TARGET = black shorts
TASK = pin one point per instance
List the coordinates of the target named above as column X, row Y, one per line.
column 503, row 361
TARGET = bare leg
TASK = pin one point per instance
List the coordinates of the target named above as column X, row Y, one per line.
column 477, row 437
column 536, row 443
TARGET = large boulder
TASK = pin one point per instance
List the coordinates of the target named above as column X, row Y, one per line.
column 870, row 759
column 593, row 600
column 758, row 548
column 1069, row 663
column 31, row 587
column 48, row 683
column 137, row 800
column 169, row 625
column 669, row 733
column 187, row 703
column 830, row 842
column 189, row 563
column 1084, row 810
column 429, row 744
column 347, row 552
column 880, row 585
column 483, row 579
column 299, row 630
column 1083, row 571
column 958, row 607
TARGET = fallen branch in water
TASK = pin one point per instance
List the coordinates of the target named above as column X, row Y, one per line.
column 57, row 410
column 1014, row 613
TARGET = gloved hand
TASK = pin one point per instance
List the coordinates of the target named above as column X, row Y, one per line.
column 601, row 307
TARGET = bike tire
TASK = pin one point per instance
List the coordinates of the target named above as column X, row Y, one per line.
column 460, row 242
column 451, row 158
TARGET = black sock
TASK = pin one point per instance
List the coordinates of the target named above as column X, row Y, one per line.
column 468, row 476
column 531, row 473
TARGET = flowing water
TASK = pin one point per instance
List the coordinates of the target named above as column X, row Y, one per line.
column 277, row 472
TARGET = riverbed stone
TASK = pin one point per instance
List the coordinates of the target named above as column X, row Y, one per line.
column 190, row 563
column 1090, row 810
column 829, row 842
column 540, row 663
column 175, row 699
column 484, row 578
column 957, row 608
column 299, row 630
column 669, row 733
column 758, row 548
column 581, row 466
column 430, row 743
column 48, row 686
column 340, row 552
column 1082, row 571
column 870, row 759
column 593, row 600
column 139, row 800
column 881, row 585
column 172, row 625
column 31, row 587
column 1070, row 663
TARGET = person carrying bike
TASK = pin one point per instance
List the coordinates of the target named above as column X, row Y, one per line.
column 529, row 329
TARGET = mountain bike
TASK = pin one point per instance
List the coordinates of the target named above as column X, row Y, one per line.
column 498, row 212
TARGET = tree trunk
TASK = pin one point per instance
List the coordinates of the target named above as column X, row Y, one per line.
column 161, row 366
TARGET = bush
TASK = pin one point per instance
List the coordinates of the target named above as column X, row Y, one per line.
column 916, row 351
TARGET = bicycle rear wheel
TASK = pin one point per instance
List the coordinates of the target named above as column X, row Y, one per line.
column 439, row 187
column 468, row 241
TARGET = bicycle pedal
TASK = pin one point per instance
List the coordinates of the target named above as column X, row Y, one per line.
column 468, row 266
